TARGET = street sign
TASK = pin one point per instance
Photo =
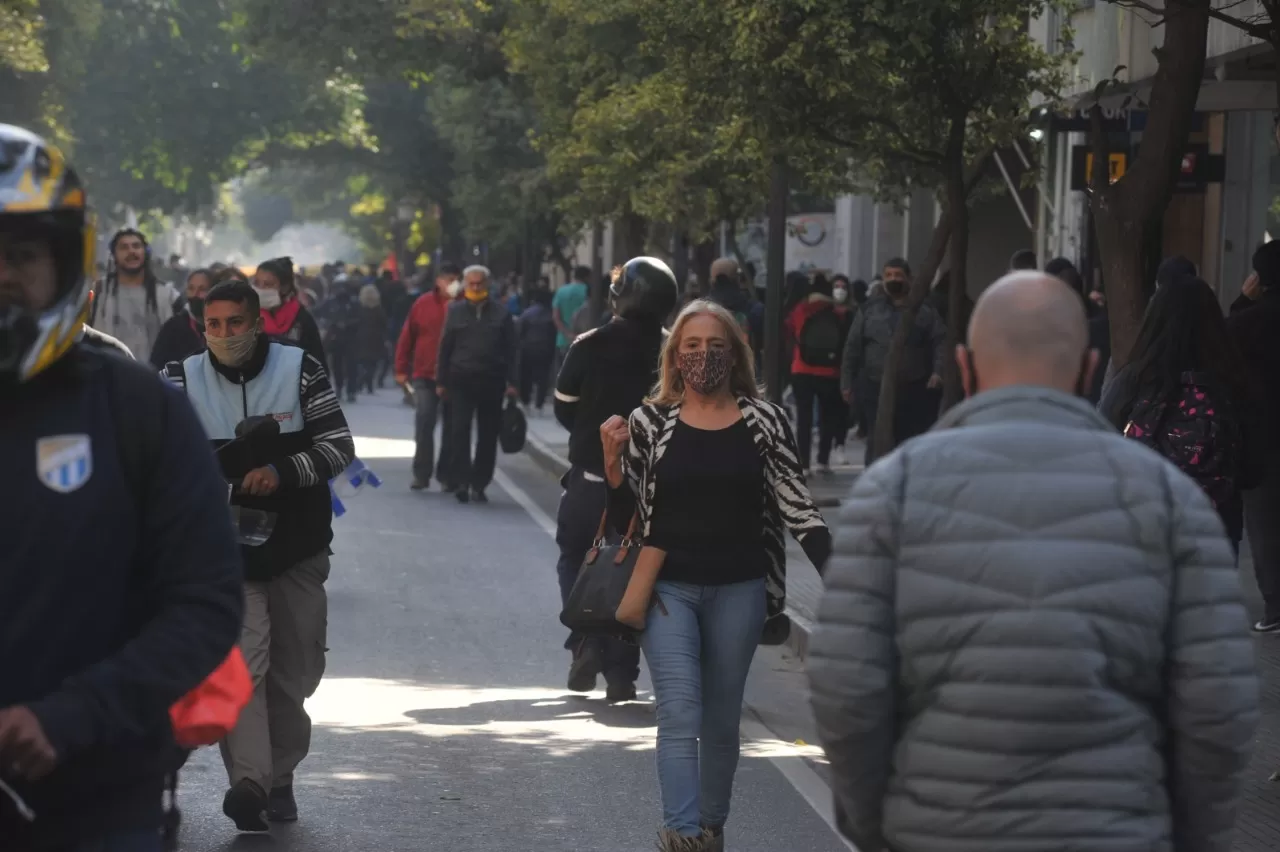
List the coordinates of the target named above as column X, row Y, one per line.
column 1082, row 165
column 1116, row 163
column 1198, row 169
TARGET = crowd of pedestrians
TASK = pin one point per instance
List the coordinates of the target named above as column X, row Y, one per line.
column 1032, row 634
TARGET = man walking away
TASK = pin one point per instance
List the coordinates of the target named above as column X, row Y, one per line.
column 1255, row 326
column 1032, row 636
column 131, row 304
column 479, row 361
column 417, row 352
column 568, row 300
column 119, row 572
column 243, row 375
column 537, row 350
column 606, row 372
column 866, row 353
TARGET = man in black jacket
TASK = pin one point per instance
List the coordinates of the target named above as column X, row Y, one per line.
column 479, row 362
column 246, row 375
column 607, row 371
column 119, row 573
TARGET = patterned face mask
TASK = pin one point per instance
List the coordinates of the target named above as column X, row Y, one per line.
column 703, row 372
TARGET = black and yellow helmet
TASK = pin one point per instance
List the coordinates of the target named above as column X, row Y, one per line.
column 41, row 197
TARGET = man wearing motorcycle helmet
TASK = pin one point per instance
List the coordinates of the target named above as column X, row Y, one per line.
column 607, row 371
column 112, row 491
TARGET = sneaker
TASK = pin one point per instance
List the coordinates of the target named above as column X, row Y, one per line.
column 447, row 488
column 462, row 495
column 839, row 457
column 477, row 496
column 1270, row 624
column 584, row 668
column 620, row 692
column 281, row 806
column 245, row 804
column 419, row 485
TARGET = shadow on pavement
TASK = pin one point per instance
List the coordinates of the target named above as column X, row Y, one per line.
column 632, row 714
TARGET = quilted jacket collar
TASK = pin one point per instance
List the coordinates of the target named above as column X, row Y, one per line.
column 1025, row 402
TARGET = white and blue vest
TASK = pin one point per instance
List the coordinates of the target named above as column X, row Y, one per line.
column 304, row 515
column 275, row 391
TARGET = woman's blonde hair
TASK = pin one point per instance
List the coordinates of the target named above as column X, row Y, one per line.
column 369, row 296
column 742, row 375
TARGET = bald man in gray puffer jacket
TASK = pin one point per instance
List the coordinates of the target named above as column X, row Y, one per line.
column 1032, row 636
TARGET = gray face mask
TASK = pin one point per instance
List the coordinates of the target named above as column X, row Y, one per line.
column 233, row 351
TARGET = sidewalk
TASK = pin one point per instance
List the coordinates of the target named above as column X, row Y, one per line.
column 784, row 686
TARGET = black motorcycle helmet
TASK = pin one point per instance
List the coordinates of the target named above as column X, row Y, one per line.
column 644, row 288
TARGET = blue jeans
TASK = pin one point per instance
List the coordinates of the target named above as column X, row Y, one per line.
column 128, row 841
column 699, row 654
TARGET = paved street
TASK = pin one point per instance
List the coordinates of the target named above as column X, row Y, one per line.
column 442, row 723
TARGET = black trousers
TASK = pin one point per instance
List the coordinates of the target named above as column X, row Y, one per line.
column 345, row 371
column 581, row 505
column 535, row 377
column 917, row 410
column 478, row 399
column 830, row 406
column 1261, row 508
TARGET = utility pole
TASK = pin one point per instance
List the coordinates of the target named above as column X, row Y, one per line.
column 776, row 260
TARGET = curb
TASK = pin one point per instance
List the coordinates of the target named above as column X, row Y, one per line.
column 557, row 465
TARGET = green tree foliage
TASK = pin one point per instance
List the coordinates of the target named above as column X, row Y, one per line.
column 156, row 102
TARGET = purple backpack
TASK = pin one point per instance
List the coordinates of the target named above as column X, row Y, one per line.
column 1194, row 429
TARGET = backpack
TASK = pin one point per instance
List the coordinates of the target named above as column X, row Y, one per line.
column 1196, row 430
column 820, row 339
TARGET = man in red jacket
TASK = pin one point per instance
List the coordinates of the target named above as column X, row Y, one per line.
column 416, row 357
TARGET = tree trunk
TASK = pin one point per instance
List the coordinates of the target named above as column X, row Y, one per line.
column 704, row 254
column 634, row 231
column 596, row 292
column 1122, row 211
column 957, row 201
column 779, row 195
column 882, row 439
column 680, row 258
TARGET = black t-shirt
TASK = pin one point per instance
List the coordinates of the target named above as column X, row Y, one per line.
column 707, row 506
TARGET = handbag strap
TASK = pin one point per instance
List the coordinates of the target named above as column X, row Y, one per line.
column 598, row 541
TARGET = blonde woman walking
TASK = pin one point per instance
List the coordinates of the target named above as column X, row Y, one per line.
column 711, row 471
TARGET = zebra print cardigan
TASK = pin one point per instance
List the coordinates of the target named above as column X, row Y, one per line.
column 787, row 504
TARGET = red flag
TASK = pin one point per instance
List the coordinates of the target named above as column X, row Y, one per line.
column 392, row 264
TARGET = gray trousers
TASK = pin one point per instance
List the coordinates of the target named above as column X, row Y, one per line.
column 283, row 642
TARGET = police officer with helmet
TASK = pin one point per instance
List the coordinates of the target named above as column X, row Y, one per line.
column 119, row 571
column 606, row 371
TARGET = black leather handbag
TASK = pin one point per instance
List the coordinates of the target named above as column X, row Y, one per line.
column 602, row 582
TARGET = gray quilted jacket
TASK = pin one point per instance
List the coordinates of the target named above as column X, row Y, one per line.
column 1032, row 640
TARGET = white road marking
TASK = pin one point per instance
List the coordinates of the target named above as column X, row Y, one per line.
column 799, row 774
column 522, row 497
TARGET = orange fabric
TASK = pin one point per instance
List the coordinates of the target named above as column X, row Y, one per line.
column 795, row 322
column 208, row 713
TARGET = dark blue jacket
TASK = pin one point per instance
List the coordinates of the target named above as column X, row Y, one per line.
column 118, row 593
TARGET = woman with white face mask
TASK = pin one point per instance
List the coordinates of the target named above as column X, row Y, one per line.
column 283, row 316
